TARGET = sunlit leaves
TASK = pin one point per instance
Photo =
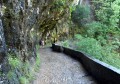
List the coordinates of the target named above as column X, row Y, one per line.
column 108, row 12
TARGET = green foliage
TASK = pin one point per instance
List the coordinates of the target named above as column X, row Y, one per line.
column 14, row 62
column 37, row 63
column 56, row 14
column 90, row 46
column 110, row 56
column 102, row 40
column 23, row 68
column 58, row 5
column 23, row 80
column 78, row 37
column 95, row 29
column 11, row 75
column 72, row 8
column 65, row 43
column 107, row 12
column 101, row 32
column 98, row 48
column 80, row 15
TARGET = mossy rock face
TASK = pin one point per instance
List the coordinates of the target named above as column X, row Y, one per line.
column 2, row 54
column 18, row 21
column 13, row 79
column 2, row 43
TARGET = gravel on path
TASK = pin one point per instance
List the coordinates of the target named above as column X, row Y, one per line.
column 58, row 68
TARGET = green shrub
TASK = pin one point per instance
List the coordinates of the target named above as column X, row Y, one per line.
column 65, row 43
column 22, row 72
column 95, row 29
column 11, row 74
column 110, row 56
column 23, row 80
column 14, row 62
column 99, row 48
column 37, row 63
column 102, row 40
column 90, row 46
column 80, row 15
column 78, row 37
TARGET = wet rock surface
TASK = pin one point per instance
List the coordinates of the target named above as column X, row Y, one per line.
column 57, row 68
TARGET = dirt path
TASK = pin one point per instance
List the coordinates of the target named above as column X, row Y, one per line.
column 57, row 68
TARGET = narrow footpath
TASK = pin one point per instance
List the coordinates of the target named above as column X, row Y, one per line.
column 58, row 68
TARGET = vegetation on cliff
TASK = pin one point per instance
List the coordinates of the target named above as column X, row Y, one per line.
column 97, row 25
column 22, row 24
column 93, row 26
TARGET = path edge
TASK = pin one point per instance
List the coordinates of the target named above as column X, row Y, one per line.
column 102, row 72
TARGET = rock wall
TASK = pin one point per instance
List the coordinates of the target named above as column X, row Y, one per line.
column 2, row 42
column 20, row 23
column 2, row 38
